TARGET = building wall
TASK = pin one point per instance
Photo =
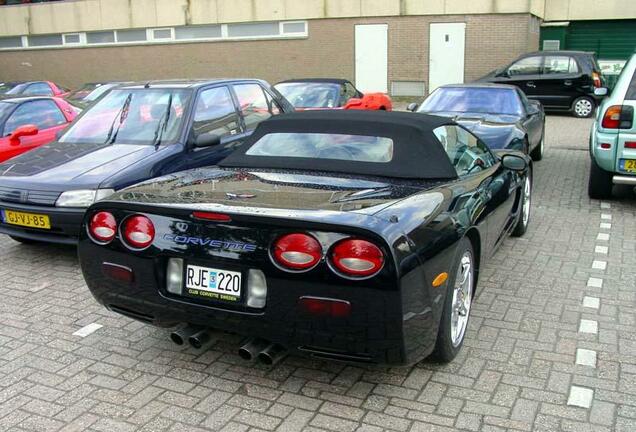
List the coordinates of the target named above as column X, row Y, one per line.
column 491, row 41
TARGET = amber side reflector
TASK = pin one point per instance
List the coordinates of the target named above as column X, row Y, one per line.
column 210, row 216
column 440, row 279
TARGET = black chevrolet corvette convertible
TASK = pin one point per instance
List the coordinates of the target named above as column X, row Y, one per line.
column 353, row 236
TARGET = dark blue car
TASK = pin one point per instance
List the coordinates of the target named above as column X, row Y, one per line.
column 501, row 115
column 134, row 133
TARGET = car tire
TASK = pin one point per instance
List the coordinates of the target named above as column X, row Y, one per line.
column 600, row 183
column 24, row 240
column 524, row 207
column 583, row 107
column 537, row 153
column 456, row 309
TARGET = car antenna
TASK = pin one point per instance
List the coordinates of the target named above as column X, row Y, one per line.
column 147, row 85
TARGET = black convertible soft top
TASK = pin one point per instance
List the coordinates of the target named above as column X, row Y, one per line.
column 417, row 154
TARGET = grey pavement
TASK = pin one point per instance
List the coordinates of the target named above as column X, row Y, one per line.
column 551, row 344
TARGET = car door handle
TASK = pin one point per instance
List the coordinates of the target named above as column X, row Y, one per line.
column 530, row 84
column 567, row 82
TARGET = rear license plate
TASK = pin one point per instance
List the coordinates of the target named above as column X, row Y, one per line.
column 213, row 283
column 30, row 220
column 628, row 165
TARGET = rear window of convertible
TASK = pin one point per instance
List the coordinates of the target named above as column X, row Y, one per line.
column 355, row 148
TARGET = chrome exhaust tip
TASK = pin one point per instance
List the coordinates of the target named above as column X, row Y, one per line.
column 200, row 338
column 272, row 354
column 181, row 335
column 250, row 350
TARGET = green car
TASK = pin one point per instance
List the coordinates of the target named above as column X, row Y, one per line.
column 613, row 137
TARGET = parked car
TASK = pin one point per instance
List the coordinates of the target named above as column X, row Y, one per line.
column 133, row 133
column 30, row 122
column 32, row 88
column 501, row 115
column 90, row 92
column 331, row 93
column 560, row 80
column 613, row 137
column 353, row 236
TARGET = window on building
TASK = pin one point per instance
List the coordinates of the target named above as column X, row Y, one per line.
column 551, row 45
column 198, row 32
column 101, row 37
column 11, row 42
column 526, row 66
column 215, row 113
column 45, row 40
column 72, row 39
column 160, row 34
column 134, row 35
column 253, row 29
column 467, row 154
column 294, row 27
column 42, row 113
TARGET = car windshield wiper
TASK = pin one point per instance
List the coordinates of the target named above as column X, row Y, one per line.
column 121, row 115
column 163, row 124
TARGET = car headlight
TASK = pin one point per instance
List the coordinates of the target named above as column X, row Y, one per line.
column 82, row 198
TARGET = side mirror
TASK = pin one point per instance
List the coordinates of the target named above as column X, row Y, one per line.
column 412, row 107
column 600, row 91
column 24, row 130
column 514, row 162
column 207, row 140
column 353, row 102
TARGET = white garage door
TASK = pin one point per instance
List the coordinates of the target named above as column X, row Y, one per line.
column 371, row 55
column 446, row 54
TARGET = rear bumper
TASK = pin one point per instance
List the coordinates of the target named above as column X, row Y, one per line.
column 373, row 333
column 624, row 180
column 65, row 223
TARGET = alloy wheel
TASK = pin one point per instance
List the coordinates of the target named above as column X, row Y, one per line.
column 526, row 200
column 462, row 297
column 583, row 108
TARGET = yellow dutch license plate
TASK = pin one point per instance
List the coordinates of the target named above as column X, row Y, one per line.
column 30, row 220
column 630, row 165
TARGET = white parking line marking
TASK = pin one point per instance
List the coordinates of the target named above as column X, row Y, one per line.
column 599, row 265
column 603, row 236
column 606, row 216
column 591, row 302
column 580, row 397
column 585, row 357
column 595, row 282
column 605, row 225
column 588, row 326
column 88, row 329
column 601, row 249
column 605, row 205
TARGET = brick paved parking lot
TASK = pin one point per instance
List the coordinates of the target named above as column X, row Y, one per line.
column 551, row 345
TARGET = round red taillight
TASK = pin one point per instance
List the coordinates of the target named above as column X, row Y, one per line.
column 297, row 251
column 102, row 227
column 138, row 232
column 357, row 258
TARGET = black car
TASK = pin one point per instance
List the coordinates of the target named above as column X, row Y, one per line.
column 501, row 115
column 354, row 236
column 133, row 133
column 560, row 80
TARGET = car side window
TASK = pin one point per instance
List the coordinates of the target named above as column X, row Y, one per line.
column 215, row 113
column 349, row 92
column 560, row 65
column 274, row 106
column 38, row 89
column 42, row 113
column 526, row 66
column 466, row 152
column 253, row 104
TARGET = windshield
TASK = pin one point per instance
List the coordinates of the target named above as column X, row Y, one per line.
column 141, row 116
column 310, row 95
column 476, row 99
column 358, row 148
column 5, row 87
column 84, row 92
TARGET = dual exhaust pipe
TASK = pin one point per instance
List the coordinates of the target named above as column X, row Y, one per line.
column 197, row 337
column 255, row 348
